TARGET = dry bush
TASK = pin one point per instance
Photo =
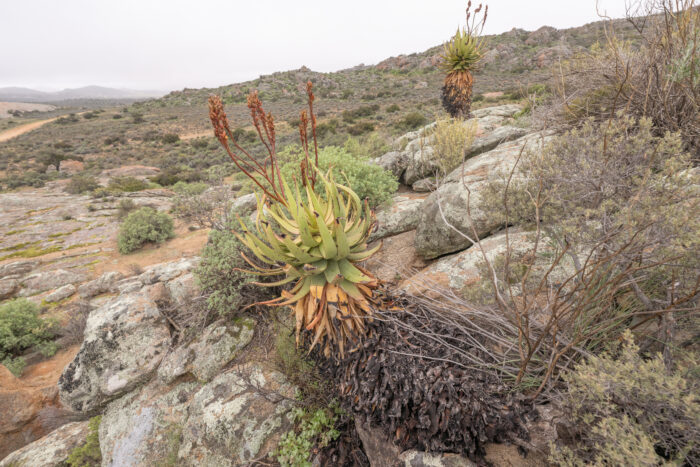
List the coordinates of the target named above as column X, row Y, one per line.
column 624, row 410
column 615, row 234
column 210, row 208
column 451, row 138
column 74, row 329
column 657, row 76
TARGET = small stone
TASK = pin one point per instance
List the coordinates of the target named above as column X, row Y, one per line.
column 60, row 294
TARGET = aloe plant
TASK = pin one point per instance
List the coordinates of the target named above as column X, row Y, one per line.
column 460, row 57
column 315, row 241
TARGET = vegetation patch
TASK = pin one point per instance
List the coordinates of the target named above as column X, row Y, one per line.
column 89, row 454
column 21, row 328
column 142, row 226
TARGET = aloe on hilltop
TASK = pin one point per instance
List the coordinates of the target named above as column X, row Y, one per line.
column 460, row 58
column 315, row 240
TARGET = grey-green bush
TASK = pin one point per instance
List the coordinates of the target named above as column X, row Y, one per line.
column 142, row 226
column 22, row 328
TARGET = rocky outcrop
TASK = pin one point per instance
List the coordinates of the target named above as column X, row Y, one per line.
column 209, row 353
column 144, row 427
column 416, row 161
column 49, row 280
column 51, row 450
column 401, row 216
column 17, row 268
column 235, row 418
column 444, row 226
column 8, row 287
column 125, row 341
column 106, row 283
column 60, row 293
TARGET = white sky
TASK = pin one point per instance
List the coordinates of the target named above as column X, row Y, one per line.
column 171, row 44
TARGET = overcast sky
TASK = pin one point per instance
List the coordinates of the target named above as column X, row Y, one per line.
column 171, row 44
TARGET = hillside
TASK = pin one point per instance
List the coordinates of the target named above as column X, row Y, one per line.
column 19, row 94
column 396, row 95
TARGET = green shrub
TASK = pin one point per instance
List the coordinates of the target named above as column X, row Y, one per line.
column 626, row 410
column 217, row 273
column 361, row 128
column 81, row 183
column 128, row 184
column 393, row 108
column 315, row 431
column 142, row 226
column 412, row 121
column 22, row 328
column 370, row 146
column 367, row 180
column 190, row 189
column 172, row 175
column 89, row 454
column 170, row 138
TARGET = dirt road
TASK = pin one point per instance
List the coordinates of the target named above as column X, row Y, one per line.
column 20, row 130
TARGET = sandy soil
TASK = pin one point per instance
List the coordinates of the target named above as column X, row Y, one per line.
column 20, row 130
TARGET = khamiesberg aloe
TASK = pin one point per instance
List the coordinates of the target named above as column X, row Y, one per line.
column 460, row 57
column 314, row 241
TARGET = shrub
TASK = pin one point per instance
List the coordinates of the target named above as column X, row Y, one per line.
column 361, row 128
column 172, row 175
column 81, row 183
column 142, row 226
column 412, row 120
column 625, row 410
column 128, row 184
column 612, row 212
column 190, row 189
column 88, row 454
column 170, row 138
column 370, row 146
column 367, row 180
column 657, row 77
column 226, row 287
column 451, row 138
column 393, row 108
column 124, row 207
column 315, row 431
column 22, row 328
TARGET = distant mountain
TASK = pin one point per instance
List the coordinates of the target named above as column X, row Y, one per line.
column 19, row 94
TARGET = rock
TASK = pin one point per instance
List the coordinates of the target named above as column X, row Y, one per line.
column 49, row 280
column 8, row 287
column 402, row 215
column 183, row 288
column 106, row 283
column 434, row 236
column 18, row 268
column 125, row 341
column 232, row 422
column 380, row 451
column 414, row 458
column 462, row 269
column 421, row 162
column 143, row 428
column 245, row 204
column 50, row 451
column 209, row 353
column 396, row 258
column 167, row 271
column 394, row 161
column 60, row 294
column 19, row 406
column 424, row 185
column 491, row 140
column 129, row 285
column 504, row 111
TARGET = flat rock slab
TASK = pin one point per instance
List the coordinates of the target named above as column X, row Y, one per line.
column 401, row 216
